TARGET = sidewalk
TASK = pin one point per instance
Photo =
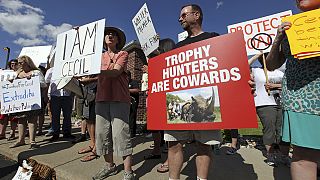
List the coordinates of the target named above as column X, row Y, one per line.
column 62, row 155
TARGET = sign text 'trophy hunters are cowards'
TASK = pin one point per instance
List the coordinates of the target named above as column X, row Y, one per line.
column 220, row 61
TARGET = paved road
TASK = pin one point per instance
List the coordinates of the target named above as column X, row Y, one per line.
column 247, row 164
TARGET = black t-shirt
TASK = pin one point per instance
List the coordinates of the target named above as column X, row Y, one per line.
column 200, row 37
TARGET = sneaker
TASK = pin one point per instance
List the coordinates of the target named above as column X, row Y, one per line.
column 49, row 133
column 128, row 176
column 105, row 172
column 231, row 151
column 54, row 138
column 271, row 161
column 68, row 136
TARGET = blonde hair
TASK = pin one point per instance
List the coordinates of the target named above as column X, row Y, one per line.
column 28, row 60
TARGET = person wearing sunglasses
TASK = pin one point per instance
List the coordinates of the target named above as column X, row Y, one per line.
column 113, row 106
column 190, row 18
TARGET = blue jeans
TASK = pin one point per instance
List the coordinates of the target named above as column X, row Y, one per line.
column 57, row 104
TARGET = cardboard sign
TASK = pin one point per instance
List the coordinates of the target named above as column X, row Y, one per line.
column 201, row 86
column 38, row 54
column 304, row 33
column 20, row 95
column 267, row 25
column 145, row 31
column 78, row 51
column 6, row 75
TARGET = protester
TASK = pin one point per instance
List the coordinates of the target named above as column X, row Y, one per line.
column 191, row 20
column 79, row 101
column 4, row 119
column 13, row 64
column 41, row 116
column 90, row 84
column 165, row 45
column 269, row 112
column 28, row 70
column 300, row 98
column 113, row 106
column 234, row 142
column 60, row 99
column 134, row 94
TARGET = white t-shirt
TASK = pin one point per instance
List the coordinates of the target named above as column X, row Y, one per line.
column 53, row 91
column 41, row 78
column 262, row 98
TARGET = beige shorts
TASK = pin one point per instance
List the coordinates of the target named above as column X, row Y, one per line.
column 209, row 137
column 112, row 128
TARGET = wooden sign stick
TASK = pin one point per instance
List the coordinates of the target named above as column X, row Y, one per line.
column 265, row 71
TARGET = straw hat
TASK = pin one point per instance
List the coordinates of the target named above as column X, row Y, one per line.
column 120, row 34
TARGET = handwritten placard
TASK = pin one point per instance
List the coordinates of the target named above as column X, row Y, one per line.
column 264, row 25
column 20, row 95
column 303, row 36
column 145, row 30
column 38, row 54
column 6, row 75
column 78, row 51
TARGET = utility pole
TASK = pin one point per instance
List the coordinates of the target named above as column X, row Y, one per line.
column 8, row 55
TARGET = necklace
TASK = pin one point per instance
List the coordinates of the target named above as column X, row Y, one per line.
column 111, row 58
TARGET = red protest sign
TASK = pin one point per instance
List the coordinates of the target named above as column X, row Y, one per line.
column 201, row 86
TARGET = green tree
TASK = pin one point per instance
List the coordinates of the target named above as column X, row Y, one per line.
column 171, row 98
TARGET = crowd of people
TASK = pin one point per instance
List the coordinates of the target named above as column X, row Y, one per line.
column 287, row 104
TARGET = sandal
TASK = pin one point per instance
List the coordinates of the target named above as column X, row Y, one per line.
column 90, row 157
column 34, row 145
column 17, row 144
column 85, row 150
column 163, row 168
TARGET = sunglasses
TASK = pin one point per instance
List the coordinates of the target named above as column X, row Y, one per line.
column 184, row 15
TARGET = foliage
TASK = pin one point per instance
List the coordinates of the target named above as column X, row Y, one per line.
column 175, row 98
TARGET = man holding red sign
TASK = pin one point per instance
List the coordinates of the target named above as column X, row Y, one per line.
column 191, row 20
column 201, row 130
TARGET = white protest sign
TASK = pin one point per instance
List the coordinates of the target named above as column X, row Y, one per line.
column 20, row 95
column 145, row 31
column 182, row 36
column 6, row 75
column 252, row 29
column 38, row 54
column 78, row 51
